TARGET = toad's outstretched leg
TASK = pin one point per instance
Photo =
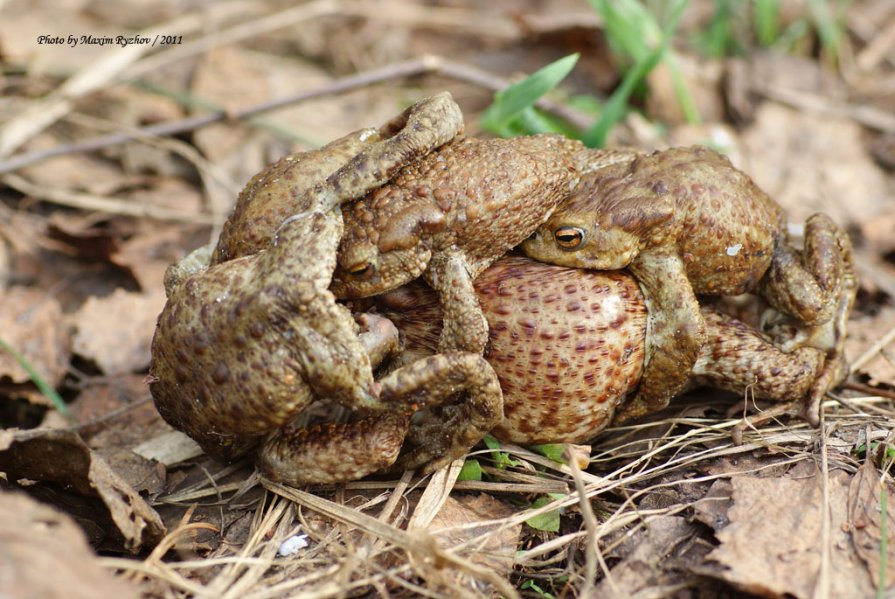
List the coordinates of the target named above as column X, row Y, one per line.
column 737, row 358
column 830, row 286
column 432, row 381
column 336, row 453
column 807, row 285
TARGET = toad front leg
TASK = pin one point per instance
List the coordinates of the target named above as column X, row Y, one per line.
column 465, row 327
column 675, row 334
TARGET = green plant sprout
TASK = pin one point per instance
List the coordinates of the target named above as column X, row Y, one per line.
column 45, row 388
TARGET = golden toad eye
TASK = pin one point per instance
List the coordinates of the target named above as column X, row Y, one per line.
column 568, row 238
column 363, row 271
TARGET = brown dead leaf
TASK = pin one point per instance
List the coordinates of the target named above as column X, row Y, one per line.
column 701, row 77
column 61, row 458
column 213, row 82
column 31, row 323
column 149, row 251
column 79, row 235
column 654, row 561
column 144, row 476
column 810, row 163
column 494, row 551
column 863, row 333
column 45, row 554
column 772, row 546
column 116, row 412
column 115, row 331
column 865, row 521
column 79, row 171
column 712, row 510
column 776, row 70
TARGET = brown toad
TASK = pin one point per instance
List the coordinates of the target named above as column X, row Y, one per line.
column 568, row 345
column 449, row 215
column 684, row 221
column 243, row 346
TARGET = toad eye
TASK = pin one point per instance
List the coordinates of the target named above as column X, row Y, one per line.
column 568, row 238
column 362, row 271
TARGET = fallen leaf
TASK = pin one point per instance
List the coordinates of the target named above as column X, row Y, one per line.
column 81, row 171
column 701, row 78
column 811, row 163
column 31, row 323
column 61, row 458
column 863, row 333
column 116, row 331
column 712, row 510
column 866, row 519
column 116, row 412
column 654, row 561
column 454, row 525
column 45, row 554
column 147, row 254
column 772, row 546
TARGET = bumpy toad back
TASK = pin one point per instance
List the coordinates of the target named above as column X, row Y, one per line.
column 450, row 215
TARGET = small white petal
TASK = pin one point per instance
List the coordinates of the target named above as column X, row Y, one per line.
column 292, row 545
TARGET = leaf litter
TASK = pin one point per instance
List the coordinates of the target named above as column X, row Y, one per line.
column 671, row 503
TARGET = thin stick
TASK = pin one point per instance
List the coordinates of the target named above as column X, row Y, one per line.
column 592, row 554
column 868, row 389
column 869, row 116
column 48, row 110
column 822, row 588
column 86, row 201
column 873, row 350
column 426, row 64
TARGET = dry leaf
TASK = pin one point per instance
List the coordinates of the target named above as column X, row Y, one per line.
column 812, row 163
column 78, row 171
column 772, row 546
column 116, row 331
column 116, row 412
column 865, row 521
column 31, row 323
column 863, row 333
column 492, row 550
column 148, row 252
column 45, row 554
column 651, row 563
column 61, row 458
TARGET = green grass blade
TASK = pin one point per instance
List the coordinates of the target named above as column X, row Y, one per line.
column 884, row 539
column 37, row 379
column 765, row 16
column 512, row 102
column 615, row 108
column 829, row 27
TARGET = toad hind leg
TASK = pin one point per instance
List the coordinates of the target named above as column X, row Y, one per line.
column 676, row 333
column 426, row 125
column 431, row 382
column 338, row 453
column 808, row 291
column 465, row 327
column 333, row 453
column 830, row 283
